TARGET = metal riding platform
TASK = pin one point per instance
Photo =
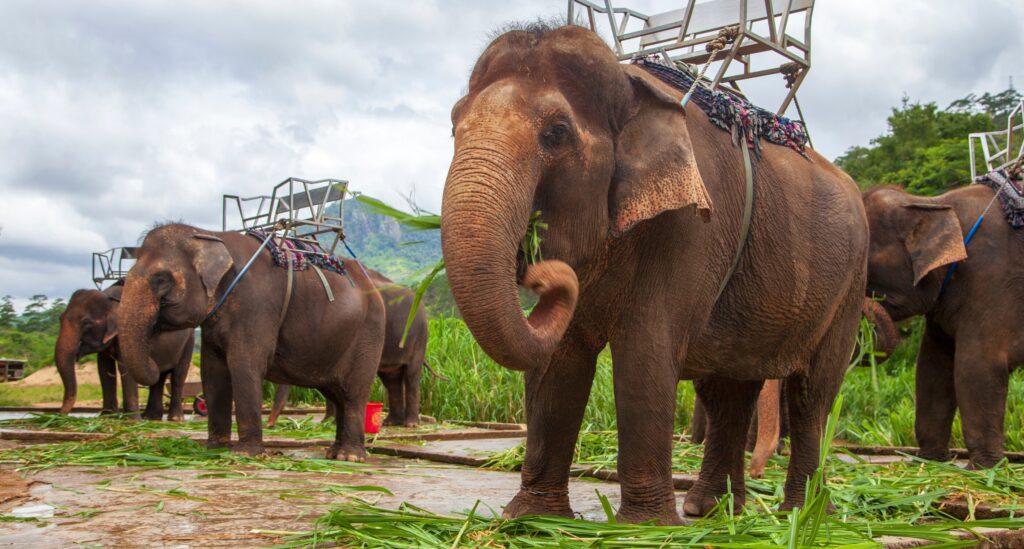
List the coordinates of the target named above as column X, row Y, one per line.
column 763, row 33
column 295, row 209
column 999, row 148
column 109, row 266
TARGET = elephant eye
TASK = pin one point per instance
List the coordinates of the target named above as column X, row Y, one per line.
column 554, row 135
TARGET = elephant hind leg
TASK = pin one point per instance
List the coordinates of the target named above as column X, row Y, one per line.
column 155, row 401
column 728, row 405
column 982, row 377
column 810, row 394
column 391, row 376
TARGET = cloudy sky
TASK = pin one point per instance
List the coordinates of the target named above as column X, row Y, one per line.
column 116, row 114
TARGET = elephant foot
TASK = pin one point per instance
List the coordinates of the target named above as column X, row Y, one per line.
column 339, row 452
column 941, row 454
column 700, row 501
column 249, row 448
column 218, row 443
column 983, row 462
column 637, row 515
column 539, row 503
column 178, row 418
column 392, row 421
column 152, row 417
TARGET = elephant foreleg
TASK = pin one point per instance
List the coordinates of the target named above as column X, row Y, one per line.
column 217, row 391
column 106, row 368
column 982, row 376
column 556, row 398
column 178, row 379
column 391, row 376
column 155, row 401
column 129, row 393
column 935, row 394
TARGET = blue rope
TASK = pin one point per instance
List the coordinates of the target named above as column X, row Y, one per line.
column 238, row 278
column 967, row 240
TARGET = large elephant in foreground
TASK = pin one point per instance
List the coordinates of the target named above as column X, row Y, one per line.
column 634, row 256
column 89, row 325
column 972, row 328
column 401, row 366
column 330, row 341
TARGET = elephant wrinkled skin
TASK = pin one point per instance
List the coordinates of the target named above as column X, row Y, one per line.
column 971, row 339
column 643, row 201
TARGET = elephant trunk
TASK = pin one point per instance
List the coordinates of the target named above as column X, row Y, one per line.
column 486, row 207
column 64, row 356
column 137, row 317
column 886, row 334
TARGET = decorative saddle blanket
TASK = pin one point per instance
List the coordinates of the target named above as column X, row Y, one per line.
column 730, row 112
column 302, row 254
column 1011, row 195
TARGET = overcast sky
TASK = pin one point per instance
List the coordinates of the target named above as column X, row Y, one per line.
column 114, row 115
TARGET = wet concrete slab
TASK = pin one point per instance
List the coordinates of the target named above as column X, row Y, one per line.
column 159, row 508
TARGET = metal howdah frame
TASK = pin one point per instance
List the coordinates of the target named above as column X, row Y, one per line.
column 296, row 209
column 999, row 148
column 112, row 265
column 770, row 32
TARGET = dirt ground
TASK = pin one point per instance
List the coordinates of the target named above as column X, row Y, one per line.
column 138, row 507
column 86, row 373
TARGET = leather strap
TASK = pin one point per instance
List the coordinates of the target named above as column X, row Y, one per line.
column 748, row 212
column 288, row 285
column 327, row 285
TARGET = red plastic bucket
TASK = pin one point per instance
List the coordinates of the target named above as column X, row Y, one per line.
column 374, row 417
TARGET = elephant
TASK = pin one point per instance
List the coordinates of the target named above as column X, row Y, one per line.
column 401, row 367
column 330, row 341
column 643, row 202
column 971, row 337
column 89, row 325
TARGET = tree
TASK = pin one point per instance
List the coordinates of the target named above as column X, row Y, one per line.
column 8, row 316
column 925, row 149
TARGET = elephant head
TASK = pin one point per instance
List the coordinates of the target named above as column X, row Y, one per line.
column 171, row 287
column 87, row 325
column 552, row 122
column 912, row 237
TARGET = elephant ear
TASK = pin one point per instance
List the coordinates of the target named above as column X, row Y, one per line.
column 655, row 169
column 111, row 331
column 935, row 239
column 211, row 260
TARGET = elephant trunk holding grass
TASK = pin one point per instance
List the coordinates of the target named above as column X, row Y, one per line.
column 89, row 325
column 401, row 367
column 332, row 345
column 643, row 203
column 972, row 327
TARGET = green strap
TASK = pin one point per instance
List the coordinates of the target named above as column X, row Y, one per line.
column 748, row 211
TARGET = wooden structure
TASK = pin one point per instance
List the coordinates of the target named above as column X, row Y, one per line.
column 112, row 265
column 297, row 208
column 999, row 148
column 11, row 369
column 774, row 36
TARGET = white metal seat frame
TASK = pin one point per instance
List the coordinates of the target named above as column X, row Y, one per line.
column 109, row 266
column 298, row 208
column 997, row 147
column 682, row 34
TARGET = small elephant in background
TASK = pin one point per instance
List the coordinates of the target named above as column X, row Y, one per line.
column 401, row 367
column 89, row 325
column 972, row 324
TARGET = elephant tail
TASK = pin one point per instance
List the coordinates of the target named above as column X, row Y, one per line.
column 433, row 372
column 767, row 427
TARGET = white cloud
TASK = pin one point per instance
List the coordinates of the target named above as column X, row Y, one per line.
column 116, row 114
